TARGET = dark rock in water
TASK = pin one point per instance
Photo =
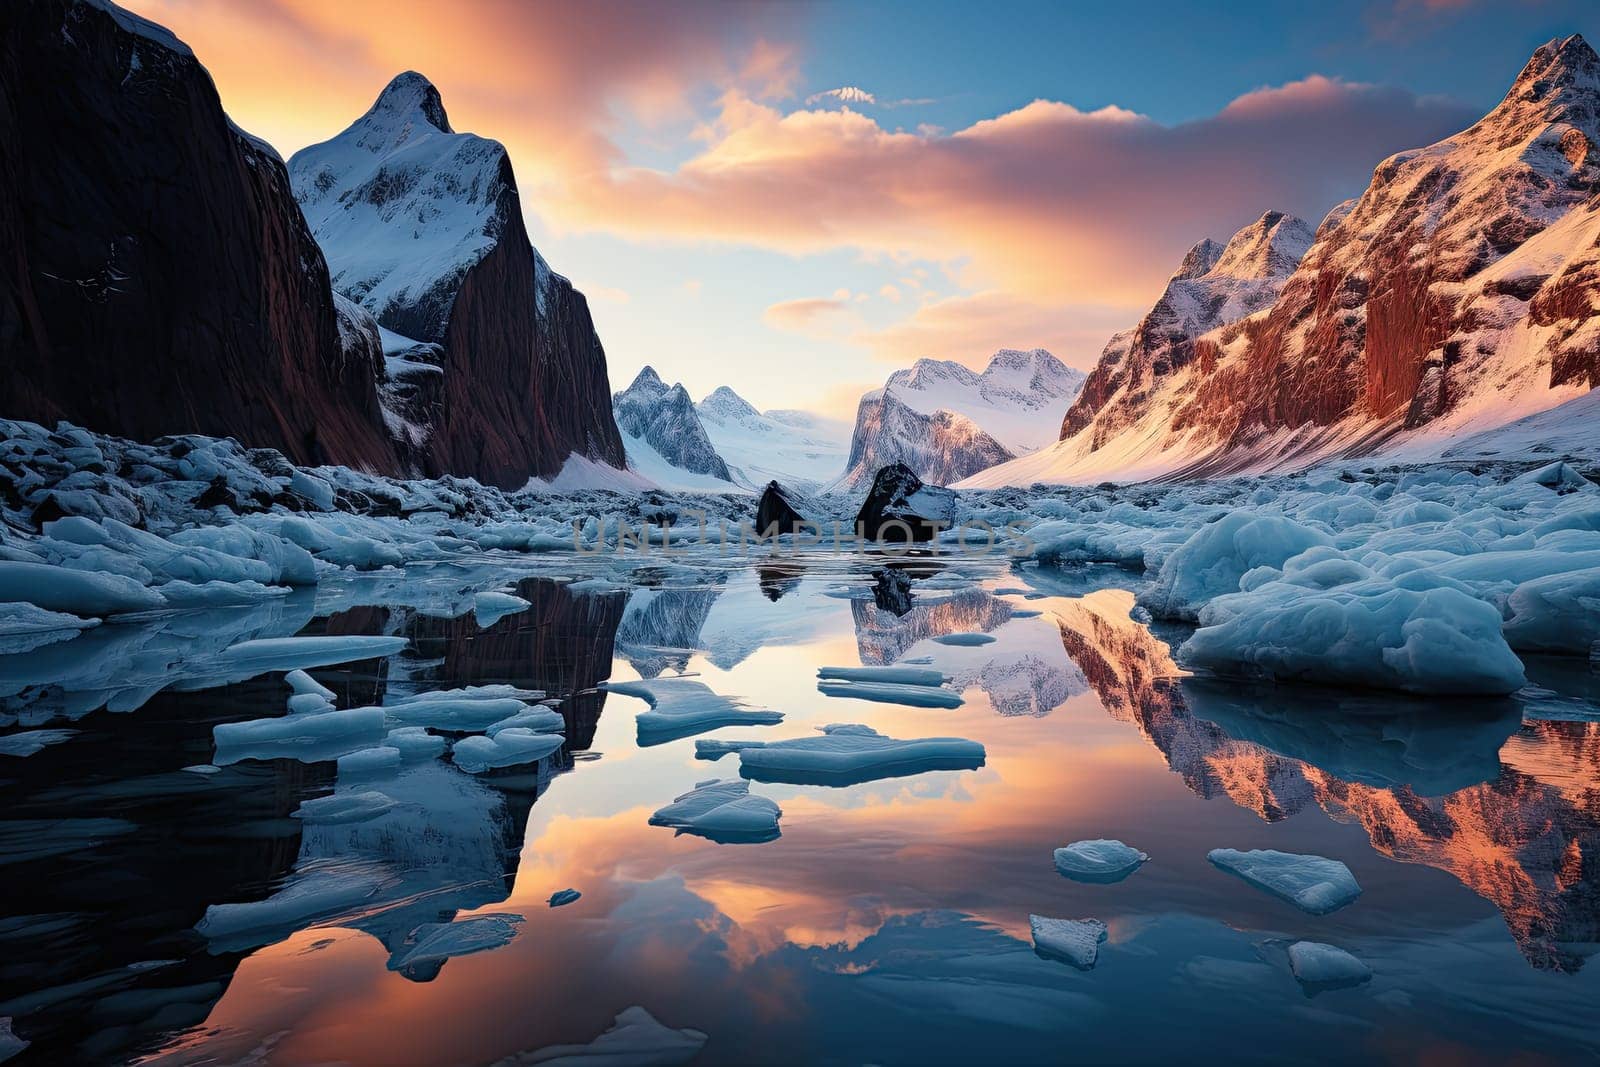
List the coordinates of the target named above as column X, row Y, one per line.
column 778, row 581
column 157, row 275
column 899, row 508
column 891, row 591
column 775, row 510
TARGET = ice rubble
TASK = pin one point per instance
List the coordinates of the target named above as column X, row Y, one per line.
column 636, row 1038
column 681, row 707
column 845, row 754
column 724, row 811
column 1099, row 860
column 1313, row 884
column 1074, row 941
column 434, row 943
column 1319, row 966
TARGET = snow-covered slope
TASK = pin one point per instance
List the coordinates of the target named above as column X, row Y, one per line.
column 663, row 435
column 422, row 227
column 798, row 449
column 1458, row 294
column 946, row 422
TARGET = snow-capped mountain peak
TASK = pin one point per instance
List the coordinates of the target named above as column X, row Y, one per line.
column 724, row 403
column 661, row 430
column 409, row 106
column 1270, row 247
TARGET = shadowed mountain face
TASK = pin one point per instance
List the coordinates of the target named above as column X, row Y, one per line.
column 1508, row 808
column 157, row 276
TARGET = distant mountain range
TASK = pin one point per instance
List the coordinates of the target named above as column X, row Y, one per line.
column 1459, row 294
column 947, row 422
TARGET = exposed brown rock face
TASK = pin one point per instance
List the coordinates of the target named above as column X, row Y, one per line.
column 1462, row 287
column 423, row 227
column 157, row 276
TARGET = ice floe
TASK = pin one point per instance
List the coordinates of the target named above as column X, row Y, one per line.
column 1074, row 941
column 304, row 685
column 724, row 811
column 1098, row 860
column 25, row 627
column 1314, row 884
column 344, row 807
column 1320, row 966
column 916, row 696
column 562, row 897
column 434, row 943
column 845, row 754
column 682, row 707
column 892, row 675
column 309, row 738
column 512, row 747
column 965, row 640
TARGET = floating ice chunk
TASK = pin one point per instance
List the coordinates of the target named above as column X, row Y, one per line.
column 897, row 675
column 415, row 743
column 712, row 749
column 508, row 748
column 25, row 627
column 316, row 893
column 635, row 1039
column 73, row 591
column 966, row 640
column 344, row 807
column 1373, row 633
column 722, row 811
column 849, row 753
column 10, row 1044
column 29, row 742
column 309, row 738
column 490, row 607
column 207, row 769
column 1313, row 884
column 1100, row 860
column 682, row 707
column 1326, row 966
column 436, row 942
column 302, row 683
column 540, row 719
column 367, row 762
column 562, row 897
column 1074, row 941
column 1213, row 560
column 219, row 594
column 250, row 658
column 308, row 704
column 916, row 696
column 498, row 691
column 1559, row 613
column 454, row 713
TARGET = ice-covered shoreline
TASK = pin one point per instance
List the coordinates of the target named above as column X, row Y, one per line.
column 1425, row 579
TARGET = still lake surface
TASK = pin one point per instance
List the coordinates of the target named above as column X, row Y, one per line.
column 888, row 923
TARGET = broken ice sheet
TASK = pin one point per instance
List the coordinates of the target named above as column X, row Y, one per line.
column 1314, row 884
column 1100, row 860
column 681, row 707
column 723, row 811
column 846, row 754
column 1074, row 941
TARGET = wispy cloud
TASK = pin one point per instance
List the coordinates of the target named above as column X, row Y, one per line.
column 848, row 94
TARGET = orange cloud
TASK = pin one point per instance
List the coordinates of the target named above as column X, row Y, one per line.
column 970, row 329
column 1046, row 202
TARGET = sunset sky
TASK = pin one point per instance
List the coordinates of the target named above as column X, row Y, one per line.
column 794, row 199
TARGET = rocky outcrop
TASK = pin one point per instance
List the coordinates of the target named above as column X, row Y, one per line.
column 664, row 419
column 522, row 374
column 775, row 512
column 900, row 508
column 157, row 276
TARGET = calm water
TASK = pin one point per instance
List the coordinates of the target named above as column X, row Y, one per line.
column 887, row 924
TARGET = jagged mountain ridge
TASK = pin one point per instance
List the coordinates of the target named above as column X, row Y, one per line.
column 423, row 228
column 947, row 422
column 663, row 420
column 1456, row 295
column 159, row 276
